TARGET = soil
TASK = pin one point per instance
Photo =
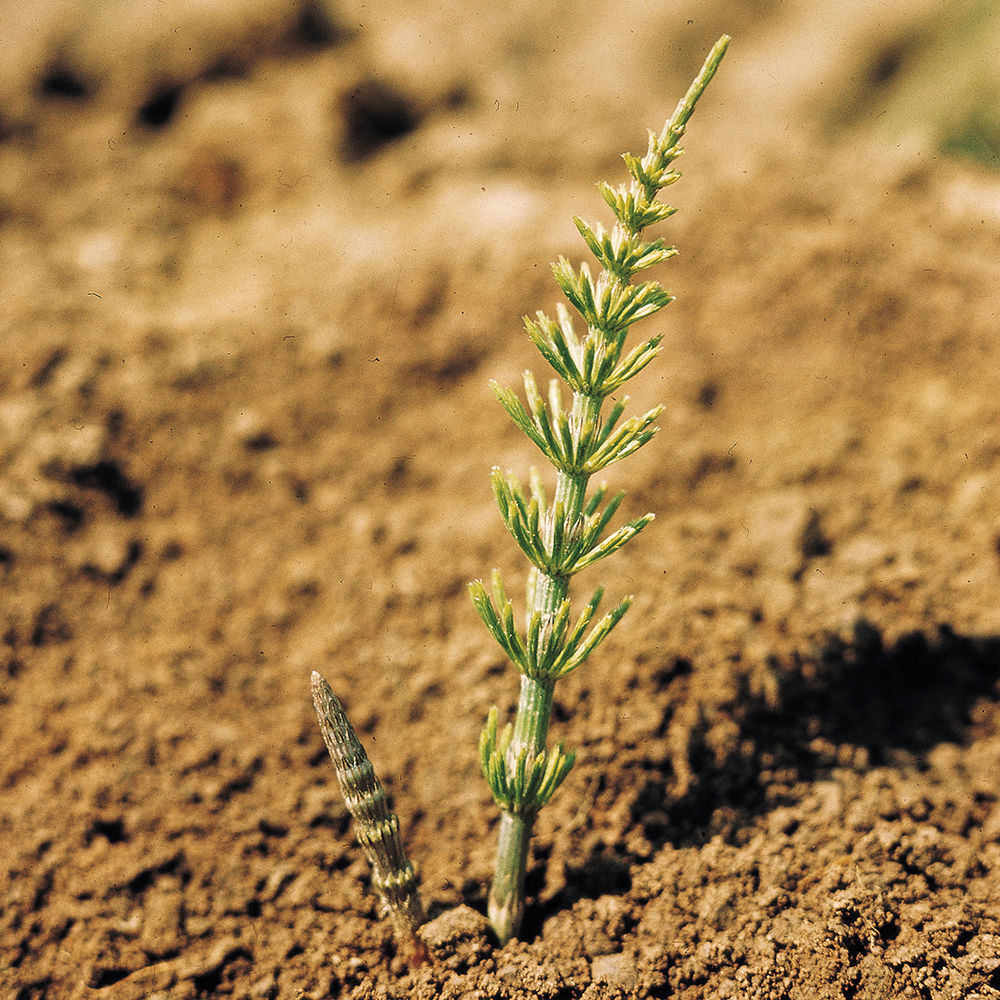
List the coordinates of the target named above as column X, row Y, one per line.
column 260, row 262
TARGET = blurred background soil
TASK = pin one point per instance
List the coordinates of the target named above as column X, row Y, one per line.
column 260, row 261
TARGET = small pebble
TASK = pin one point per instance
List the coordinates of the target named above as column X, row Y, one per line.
column 619, row 970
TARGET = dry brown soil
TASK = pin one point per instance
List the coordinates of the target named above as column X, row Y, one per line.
column 259, row 263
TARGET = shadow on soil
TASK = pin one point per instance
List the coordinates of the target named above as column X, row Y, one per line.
column 854, row 703
column 857, row 703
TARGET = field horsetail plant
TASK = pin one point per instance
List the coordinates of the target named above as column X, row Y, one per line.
column 559, row 537
column 567, row 535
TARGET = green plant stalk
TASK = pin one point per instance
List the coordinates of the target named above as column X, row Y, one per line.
column 505, row 907
column 562, row 538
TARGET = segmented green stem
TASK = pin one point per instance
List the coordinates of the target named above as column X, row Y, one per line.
column 565, row 537
column 534, row 709
column 376, row 825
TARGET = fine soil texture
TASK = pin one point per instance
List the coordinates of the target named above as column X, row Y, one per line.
column 260, row 262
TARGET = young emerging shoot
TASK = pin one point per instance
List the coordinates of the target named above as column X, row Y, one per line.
column 375, row 824
column 565, row 535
